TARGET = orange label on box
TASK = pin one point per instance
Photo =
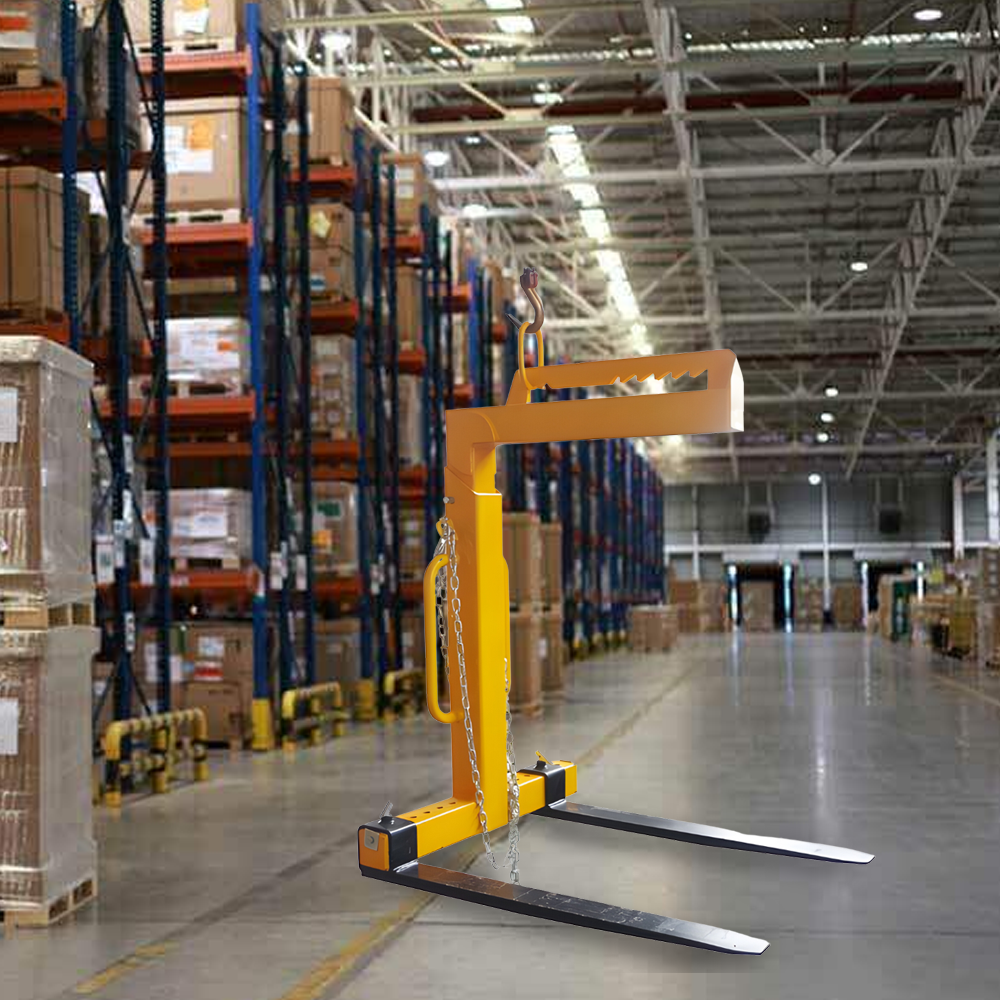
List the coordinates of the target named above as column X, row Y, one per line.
column 201, row 134
column 14, row 21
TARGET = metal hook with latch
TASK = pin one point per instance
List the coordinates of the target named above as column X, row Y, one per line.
column 529, row 282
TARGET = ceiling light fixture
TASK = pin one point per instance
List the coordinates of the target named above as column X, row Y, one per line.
column 827, row 417
column 859, row 266
column 822, row 437
column 473, row 140
column 337, row 41
column 832, row 392
column 928, row 14
column 474, row 211
column 815, row 479
column 436, row 158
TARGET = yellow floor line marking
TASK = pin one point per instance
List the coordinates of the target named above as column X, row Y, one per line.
column 329, row 972
column 141, row 957
column 968, row 689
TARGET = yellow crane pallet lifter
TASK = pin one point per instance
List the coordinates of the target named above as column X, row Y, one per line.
column 473, row 625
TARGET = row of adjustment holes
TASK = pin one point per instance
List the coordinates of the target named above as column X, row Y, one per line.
column 427, row 812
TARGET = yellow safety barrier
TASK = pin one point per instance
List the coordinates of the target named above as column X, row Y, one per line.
column 163, row 754
column 317, row 714
column 402, row 692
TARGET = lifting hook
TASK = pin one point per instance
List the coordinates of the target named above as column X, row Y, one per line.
column 529, row 282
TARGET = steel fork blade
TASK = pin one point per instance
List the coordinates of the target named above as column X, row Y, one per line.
column 567, row 909
column 695, row 833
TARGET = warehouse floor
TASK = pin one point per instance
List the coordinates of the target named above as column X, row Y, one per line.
column 247, row 888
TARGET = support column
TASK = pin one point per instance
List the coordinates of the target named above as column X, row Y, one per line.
column 825, row 519
column 958, row 517
column 992, row 493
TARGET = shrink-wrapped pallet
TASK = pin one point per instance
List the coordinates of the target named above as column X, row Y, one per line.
column 335, row 527
column 45, row 473
column 211, row 525
column 209, row 353
column 47, row 846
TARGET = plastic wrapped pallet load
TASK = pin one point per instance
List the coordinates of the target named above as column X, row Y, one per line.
column 208, row 353
column 47, row 852
column 31, row 40
column 45, row 474
column 526, row 663
column 335, row 527
column 210, row 525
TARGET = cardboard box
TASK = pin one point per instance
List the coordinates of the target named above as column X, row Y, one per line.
column 206, row 154
column 31, row 37
column 209, row 352
column 552, row 575
column 338, row 653
column 526, row 662
column 409, row 317
column 100, row 304
column 331, row 273
column 413, row 640
column 757, row 606
column 46, row 821
column 412, row 190
column 331, row 117
column 334, row 388
column 335, row 527
column 206, row 524
column 522, row 551
column 553, row 653
column 412, row 551
column 226, row 709
column 411, row 416
column 45, row 473
column 196, row 24
column 147, row 667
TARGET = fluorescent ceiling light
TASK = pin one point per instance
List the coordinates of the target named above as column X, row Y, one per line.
column 859, row 266
column 595, row 225
column 436, row 158
column 473, row 140
column 827, row 417
column 638, row 330
column 832, row 392
column 585, row 195
column 822, row 437
column 516, row 25
column 815, row 479
column 544, row 97
column 928, row 14
column 338, row 41
column 474, row 211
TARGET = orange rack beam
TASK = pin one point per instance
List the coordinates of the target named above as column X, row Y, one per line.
column 464, row 394
column 333, row 317
column 49, row 100
column 221, row 582
column 460, row 298
column 341, row 589
column 56, row 329
column 412, row 362
column 204, row 249
column 329, row 182
column 409, row 244
column 498, row 332
column 412, row 591
column 199, row 410
column 189, row 75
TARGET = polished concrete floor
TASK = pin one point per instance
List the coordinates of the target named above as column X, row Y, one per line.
column 247, row 888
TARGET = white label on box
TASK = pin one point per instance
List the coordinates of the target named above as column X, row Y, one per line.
column 8, row 415
column 147, row 561
column 152, row 662
column 212, row 350
column 203, row 524
column 176, row 669
column 301, row 574
column 189, row 21
column 211, row 647
column 543, row 649
column 194, row 161
column 9, row 718
column 104, row 559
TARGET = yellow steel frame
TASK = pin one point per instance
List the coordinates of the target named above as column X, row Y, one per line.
column 313, row 697
column 475, row 512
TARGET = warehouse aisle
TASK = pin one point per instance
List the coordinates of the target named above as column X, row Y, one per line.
column 247, row 888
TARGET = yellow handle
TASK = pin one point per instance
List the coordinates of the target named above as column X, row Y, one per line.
column 430, row 642
column 520, row 353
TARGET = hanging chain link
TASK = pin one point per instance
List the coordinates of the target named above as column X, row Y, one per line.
column 447, row 544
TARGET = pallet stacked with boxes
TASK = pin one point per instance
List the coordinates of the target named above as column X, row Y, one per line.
column 701, row 605
column 809, row 611
column 653, row 628
column 523, row 553
column 553, row 648
column 757, row 606
column 988, row 590
column 846, row 606
column 47, row 639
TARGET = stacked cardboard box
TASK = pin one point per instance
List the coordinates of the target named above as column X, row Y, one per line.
column 338, row 654
column 552, row 575
column 846, row 601
column 809, row 614
column 47, row 848
column 653, row 628
column 31, row 40
column 208, row 354
column 202, row 25
column 331, row 251
column 335, row 528
column 757, row 606
column 148, row 668
column 100, row 302
column 526, row 662
column 31, row 244
column 553, row 653
column 334, row 387
column 988, row 574
column 701, row 606
column 413, row 640
column 522, row 551
column 206, row 156
column 988, row 635
column 412, row 554
column 413, row 190
column 47, row 852
column 208, row 525
column 45, row 474
column 409, row 319
column 411, row 415
column 331, row 116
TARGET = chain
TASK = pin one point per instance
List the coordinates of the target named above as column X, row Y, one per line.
column 448, row 545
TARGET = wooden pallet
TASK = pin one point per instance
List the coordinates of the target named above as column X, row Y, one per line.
column 36, row 315
column 20, row 77
column 198, row 216
column 191, row 46
column 82, row 893
column 186, row 390
column 42, row 617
